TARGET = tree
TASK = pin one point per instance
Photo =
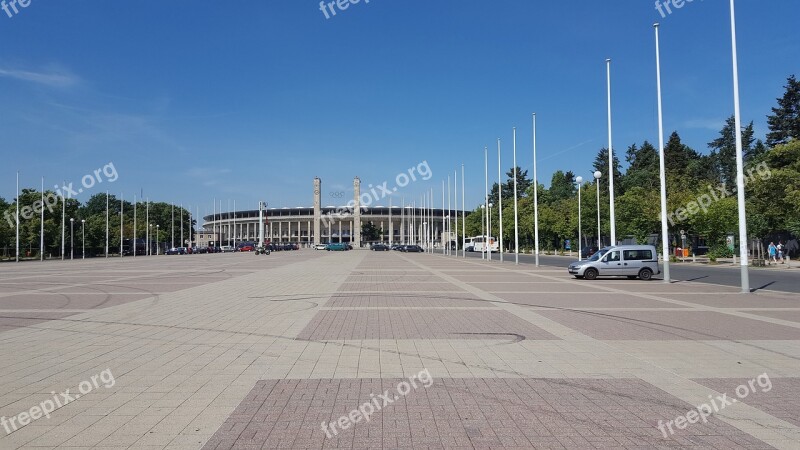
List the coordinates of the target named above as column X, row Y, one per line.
column 369, row 232
column 601, row 164
column 643, row 167
column 724, row 150
column 523, row 183
column 784, row 124
column 561, row 187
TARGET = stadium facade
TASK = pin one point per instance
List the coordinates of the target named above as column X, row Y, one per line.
column 306, row 226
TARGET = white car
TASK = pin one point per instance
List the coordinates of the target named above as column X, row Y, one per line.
column 320, row 247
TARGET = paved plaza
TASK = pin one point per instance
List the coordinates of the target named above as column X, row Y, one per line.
column 313, row 349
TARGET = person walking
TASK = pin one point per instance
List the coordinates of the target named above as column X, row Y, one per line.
column 781, row 248
column 772, row 252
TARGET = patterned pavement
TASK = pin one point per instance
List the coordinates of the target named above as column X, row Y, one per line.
column 312, row 349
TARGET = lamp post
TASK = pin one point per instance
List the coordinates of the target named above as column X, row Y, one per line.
column 579, row 180
column 483, row 231
column 71, row 238
column 489, row 231
column 83, row 239
column 157, row 228
column 597, row 175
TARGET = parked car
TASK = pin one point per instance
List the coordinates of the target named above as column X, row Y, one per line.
column 247, row 248
column 227, row 248
column 320, row 247
column 586, row 252
column 176, row 251
column 412, row 249
column 632, row 261
column 336, row 247
column 379, row 247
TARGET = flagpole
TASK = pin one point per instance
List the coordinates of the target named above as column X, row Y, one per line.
column 535, row 197
column 487, row 248
column 17, row 219
column 662, row 167
column 500, row 197
column 41, row 230
column 63, row 220
column 107, row 224
column 516, row 216
column 610, row 159
column 463, row 215
column 121, row 223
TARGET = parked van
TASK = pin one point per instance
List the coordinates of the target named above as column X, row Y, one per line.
column 632, row 261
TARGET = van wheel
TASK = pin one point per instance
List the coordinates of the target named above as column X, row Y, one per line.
column 646, row 274
column 590, row 274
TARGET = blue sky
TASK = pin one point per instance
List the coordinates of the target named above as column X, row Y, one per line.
column 249, row 100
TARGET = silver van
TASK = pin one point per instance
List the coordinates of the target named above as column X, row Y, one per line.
column 632, row 261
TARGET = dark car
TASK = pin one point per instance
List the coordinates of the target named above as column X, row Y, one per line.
column 587, row 252
column 412, row 249
column 379, row 247
column 176, row 251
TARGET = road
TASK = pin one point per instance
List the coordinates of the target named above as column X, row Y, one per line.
column 768, row 278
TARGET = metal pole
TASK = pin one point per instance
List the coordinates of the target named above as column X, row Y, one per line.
column 739, row 162
column 487, row 249
column 63, row 222
column 662, row 167
column 172, row 226
column 107, row 224
column 41, row 228
column 147, row 226
column 597, row 176
column 580, row 245
column 17, row 220
column 535, row 197
column 463, row 215
column 121, row 222
column 500, row 196
column 516, row 215
column 610, row 159
column 135, row 207
column 83, row 238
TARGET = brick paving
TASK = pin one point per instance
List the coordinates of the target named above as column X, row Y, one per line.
column 238, row 351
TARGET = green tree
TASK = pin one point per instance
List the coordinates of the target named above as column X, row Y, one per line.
column 643, row 167
column 784, row 123
column 369, row 232
column 723, row 150
column 601, row 164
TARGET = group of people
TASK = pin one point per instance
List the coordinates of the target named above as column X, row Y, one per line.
column 776, row 252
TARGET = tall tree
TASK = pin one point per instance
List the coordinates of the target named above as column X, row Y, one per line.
column 784, row 123
column 601, row 164
column 643, row 167
column 723, row 150
column 562, row 187
column 523, row 183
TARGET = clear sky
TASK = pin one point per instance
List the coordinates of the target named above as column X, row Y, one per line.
column 248, row 100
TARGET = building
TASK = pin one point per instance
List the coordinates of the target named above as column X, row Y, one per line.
column 306, row 226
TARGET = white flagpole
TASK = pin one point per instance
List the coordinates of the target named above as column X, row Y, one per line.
column 463, row 215
column 63, row 220
column 535, row 197
column 662, row 167
column 147, row 225
column 486, row 245
column 172, row 226
column 135, row 247
column 449, row 217
column 610, row 159
column 739, row 161
column 121, row 223
column 516, row 216
column 500, row 196
column 17, row 219
column 41, row 230
column 455, row 206
column 107, row 224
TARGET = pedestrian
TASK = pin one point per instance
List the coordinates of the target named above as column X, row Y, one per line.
column 772, row 252
column 781, row 249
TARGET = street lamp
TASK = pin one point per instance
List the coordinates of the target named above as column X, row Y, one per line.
column 157, row 227
column 83, row 239
column 579, row 180
column 71, row 238
column 597, row 175
column 489, row 233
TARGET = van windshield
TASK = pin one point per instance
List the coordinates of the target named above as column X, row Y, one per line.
column 598, row 254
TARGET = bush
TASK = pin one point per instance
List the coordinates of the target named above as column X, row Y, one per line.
column 719, row 251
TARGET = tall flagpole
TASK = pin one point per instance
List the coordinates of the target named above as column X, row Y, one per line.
column 172, row 226
column 739, row 161
column 443, row 219
column 121, row 222
column 535, row 197
column 516, row 215
column 463, row 215
column 17, row 219
column 662, row 167
column 135, row 244
column 500, row 196
column 449, row 217
column 41, row 230
column 63, row 220
column 107, row 224
column 486, row 247
column 455, row 206
column 610, row 159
